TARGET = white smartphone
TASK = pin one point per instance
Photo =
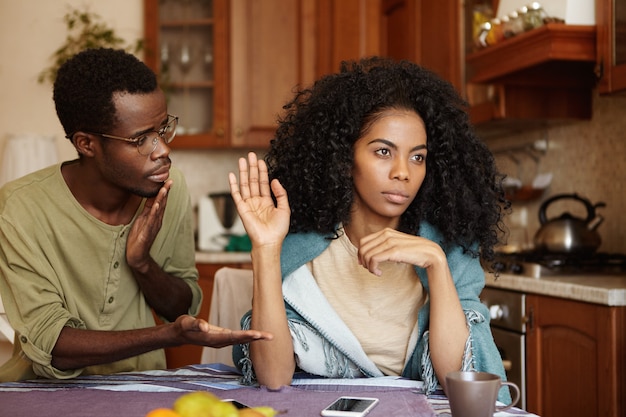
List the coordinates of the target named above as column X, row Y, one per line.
column 237, row 404
column 350, row 407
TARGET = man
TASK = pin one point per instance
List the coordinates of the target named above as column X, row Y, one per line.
column 89, row 247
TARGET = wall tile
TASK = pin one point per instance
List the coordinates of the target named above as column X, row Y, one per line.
column 585, row 157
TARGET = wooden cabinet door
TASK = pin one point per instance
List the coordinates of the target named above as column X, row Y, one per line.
column 272, row 52
column 575, row 358
column 198, row 91
column 425, row 32
column 611, row 45
column 347, row 30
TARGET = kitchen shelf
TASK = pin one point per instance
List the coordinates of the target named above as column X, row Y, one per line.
column 548, row 48
column 541, row 78
column 187, row 23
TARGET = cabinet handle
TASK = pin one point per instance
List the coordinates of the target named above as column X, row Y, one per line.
column 529, row 319
column 219, row 132
column 239, row 132
column 599, row 70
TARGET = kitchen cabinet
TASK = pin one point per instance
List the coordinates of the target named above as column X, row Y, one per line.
column 243, row 60
column 611, row 59
column 575, row 358
column 539, row 77
column 536, row 79
column 401, row 29
column 191, row 354
column 272, row 52
column 259, row 52
column 346, row 30
column 425, row 32
column 186, row 44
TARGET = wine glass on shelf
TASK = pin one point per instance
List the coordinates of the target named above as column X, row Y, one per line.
column 207, row 61
column 185, row 59
column 165, row 57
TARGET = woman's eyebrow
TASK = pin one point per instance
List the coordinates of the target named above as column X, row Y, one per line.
column 394, row 146
column 384, row 141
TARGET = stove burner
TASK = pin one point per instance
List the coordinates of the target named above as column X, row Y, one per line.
column 537, row 264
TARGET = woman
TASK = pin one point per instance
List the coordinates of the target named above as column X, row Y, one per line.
column 369, row 262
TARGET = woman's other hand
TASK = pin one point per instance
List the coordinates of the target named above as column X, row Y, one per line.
column 389, row 245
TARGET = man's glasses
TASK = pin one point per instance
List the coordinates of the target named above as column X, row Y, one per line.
column 147, row 142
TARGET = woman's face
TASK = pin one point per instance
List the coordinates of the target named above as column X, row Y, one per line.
column 389, row 166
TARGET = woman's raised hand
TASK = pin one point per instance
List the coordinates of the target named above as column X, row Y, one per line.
column 264, row 222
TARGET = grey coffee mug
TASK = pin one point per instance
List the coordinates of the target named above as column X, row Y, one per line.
column 474, row 394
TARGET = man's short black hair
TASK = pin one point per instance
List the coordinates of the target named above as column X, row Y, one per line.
column 85, row 84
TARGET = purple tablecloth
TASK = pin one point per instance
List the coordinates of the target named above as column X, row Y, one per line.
column 135, row 394
column 299, row 402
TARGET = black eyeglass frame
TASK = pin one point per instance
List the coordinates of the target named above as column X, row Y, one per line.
column 172, row 123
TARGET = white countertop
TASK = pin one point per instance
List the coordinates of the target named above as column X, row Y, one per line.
column 607, row 290
column 223, row 257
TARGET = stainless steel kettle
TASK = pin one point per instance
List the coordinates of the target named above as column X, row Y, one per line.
column 568, row 234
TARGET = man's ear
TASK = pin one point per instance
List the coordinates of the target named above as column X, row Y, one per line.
column 84, row 143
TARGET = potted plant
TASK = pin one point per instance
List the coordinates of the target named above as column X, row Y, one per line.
column 85, row 30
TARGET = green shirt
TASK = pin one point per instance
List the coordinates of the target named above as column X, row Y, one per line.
column 60, row 266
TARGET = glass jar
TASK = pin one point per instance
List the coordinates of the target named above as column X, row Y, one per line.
column 521, row 16
column 507, row 30
column 495, row 35
column 483, row 36
column 534, row 16
column 481, row 14
column 516, row 23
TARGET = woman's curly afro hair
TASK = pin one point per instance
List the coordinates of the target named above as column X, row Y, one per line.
column 85, row 84
column 312, row 153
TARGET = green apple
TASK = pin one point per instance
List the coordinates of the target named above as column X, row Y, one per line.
column 203, row 404
column 266, row 411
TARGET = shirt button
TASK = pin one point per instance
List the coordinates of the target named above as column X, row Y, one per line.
column 122, row 234
column 23, row 339
column 111, row 300
column 116, row 264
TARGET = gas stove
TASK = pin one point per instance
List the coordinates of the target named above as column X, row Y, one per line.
column 537, row 264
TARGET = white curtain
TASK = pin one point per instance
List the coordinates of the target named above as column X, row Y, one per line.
column 26, row 153
column 23, row 154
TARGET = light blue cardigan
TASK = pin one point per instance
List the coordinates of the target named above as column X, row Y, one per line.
column 319, row 333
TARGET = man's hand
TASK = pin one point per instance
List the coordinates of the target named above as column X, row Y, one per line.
column 199, row 332
column 144, row 230
column 77, row 348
